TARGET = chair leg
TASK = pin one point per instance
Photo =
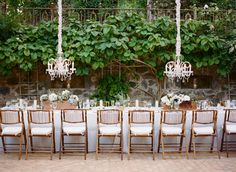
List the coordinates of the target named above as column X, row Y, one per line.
column 226, row 140
column 60, row 147
column 25, row 140
column 54, row 141
column 194, row 147
column 162, row 146
column 3, row 144
column 20, row 146
column 222, row 141
column 159, row 142
column 129, row 146
column 181, row 143
column 86, row 141
column 153, row 152
column 31, row 143
column 26, row 150
column 212, row 143
column 97, row 147
column 52, row 146
column 121, row 146
column 63, row 144
column 85, row 146
column 190, row 141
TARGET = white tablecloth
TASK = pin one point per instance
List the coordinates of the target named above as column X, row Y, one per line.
column 92, row 126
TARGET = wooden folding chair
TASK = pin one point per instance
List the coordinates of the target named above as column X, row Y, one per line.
column 229, row 129
column 141, row 125
column 172, row 125
column 41, row 124
column 74, row 123
column 12, row 125
column 110, row 124
column 204, row 126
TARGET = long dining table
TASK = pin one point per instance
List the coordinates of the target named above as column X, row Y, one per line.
column 92, row 125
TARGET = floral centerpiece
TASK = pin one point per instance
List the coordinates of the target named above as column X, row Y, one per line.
column 74, row 99
column 63, row 100
column 52, row 97
column 65, row 95
column 172, row 99
column 44, row 97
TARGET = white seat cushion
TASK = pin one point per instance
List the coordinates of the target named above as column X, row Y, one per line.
column 11, row 130
column 74, row 130
column 231, row 128
column 41, row 131
column 141, row 130
column 203, row 130
column 110, row 130
column 170, row 130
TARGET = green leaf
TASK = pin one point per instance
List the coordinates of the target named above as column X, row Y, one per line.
column 26, row 52
column 106, row 30
column 109, row 52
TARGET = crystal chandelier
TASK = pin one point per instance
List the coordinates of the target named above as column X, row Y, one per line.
column 60, row 67
column 178, row 69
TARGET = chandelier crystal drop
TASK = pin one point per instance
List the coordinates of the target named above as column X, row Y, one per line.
column 60, row 67
column 178, row 69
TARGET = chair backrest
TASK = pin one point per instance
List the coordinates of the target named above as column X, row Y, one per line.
column 173, row 117
column 11, row 116
column 204, row 117
column 40, row 116
column 141, row 116
column 230, row 115
column 74, row 115
column 109, row 116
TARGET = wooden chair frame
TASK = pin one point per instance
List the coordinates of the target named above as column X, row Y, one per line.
column 214, row 136
column 225, row 143
column 51, row 136
column 106, row 147
column 20, row 136
column 182, row 135
column 141, row 147
column 74, row 147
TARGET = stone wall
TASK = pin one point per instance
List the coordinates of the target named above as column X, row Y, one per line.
column 144, row 87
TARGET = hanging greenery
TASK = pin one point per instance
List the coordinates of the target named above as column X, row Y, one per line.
column 111, row 88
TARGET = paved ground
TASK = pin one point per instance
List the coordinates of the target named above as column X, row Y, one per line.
column 112, row 162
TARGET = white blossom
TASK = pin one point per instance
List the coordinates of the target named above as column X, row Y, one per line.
column 52, row 97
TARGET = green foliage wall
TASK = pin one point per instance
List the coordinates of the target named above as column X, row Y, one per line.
column 128, row 39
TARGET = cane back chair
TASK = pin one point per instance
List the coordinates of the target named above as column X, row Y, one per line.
column 110, row 124
column 172, row 125
column 73, row 123
column 229, row 129
column 204, row 126
column 141, row 125
column 41, row 124
column 12, row 125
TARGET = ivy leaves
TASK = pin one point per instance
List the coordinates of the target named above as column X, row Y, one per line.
column 127, row 38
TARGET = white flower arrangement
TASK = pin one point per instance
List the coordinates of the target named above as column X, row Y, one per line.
column 172, row 98
column 44, row 97
column 65, row 95
column 52, row 97
column 73, row 99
